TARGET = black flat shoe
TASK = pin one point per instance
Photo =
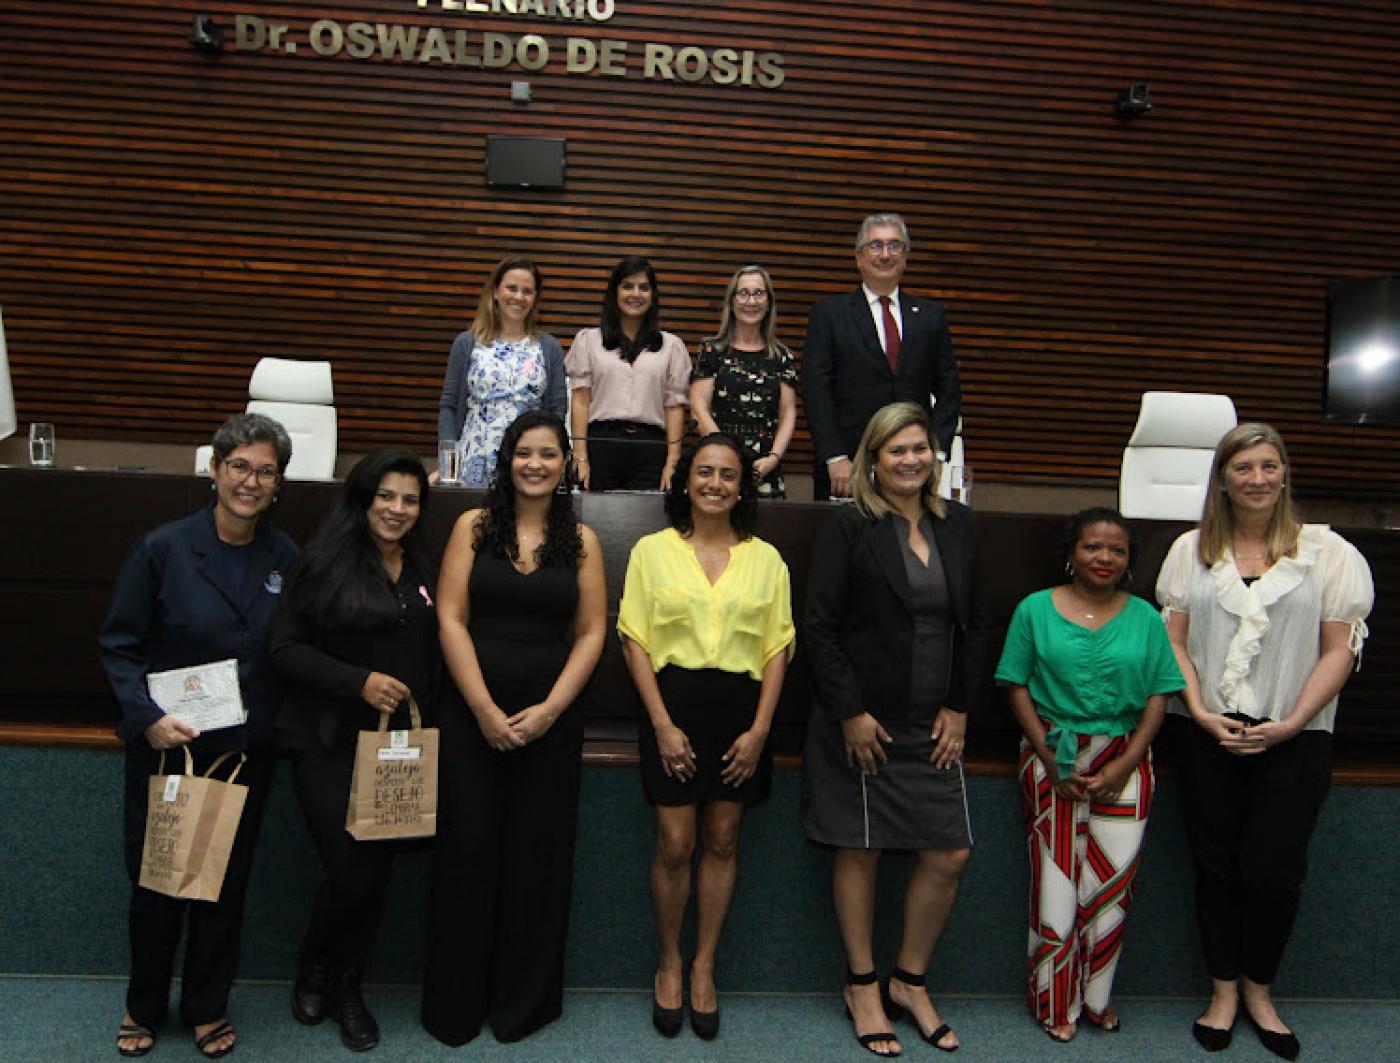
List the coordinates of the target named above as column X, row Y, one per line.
column 897, row 1011
column 1280, row 1044
column 668, row 1020
column 705, row 1024
column 309, row 994
column 867, row 1040
column 1211, row 1038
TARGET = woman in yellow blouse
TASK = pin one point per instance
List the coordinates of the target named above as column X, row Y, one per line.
column 706, row 626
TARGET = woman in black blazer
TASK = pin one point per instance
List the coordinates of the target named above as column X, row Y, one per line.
column 896, row 635
column 357, row 635
column 198, row 590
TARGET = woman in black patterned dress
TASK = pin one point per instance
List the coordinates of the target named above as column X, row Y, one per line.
column 745, row 381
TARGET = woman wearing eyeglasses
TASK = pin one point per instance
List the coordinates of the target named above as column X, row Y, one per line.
column 745, row 382
column 198, row 590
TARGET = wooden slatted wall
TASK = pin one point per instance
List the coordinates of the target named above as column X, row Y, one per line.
column 169, row 218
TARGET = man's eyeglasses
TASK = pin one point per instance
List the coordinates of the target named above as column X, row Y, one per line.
column 240, row 469
column 879, row 247
column 751, row 295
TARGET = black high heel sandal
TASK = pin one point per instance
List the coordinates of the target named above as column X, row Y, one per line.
column 896, row 1011
column 867, row 1040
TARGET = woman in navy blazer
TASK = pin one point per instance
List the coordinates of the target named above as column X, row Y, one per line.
column 200, row 589
column 896, row 636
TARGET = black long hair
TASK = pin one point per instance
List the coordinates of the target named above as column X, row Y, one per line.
column 649, row 333
column 743, row 518
column 563, row 545
column 1076, row 524
column 341, row 580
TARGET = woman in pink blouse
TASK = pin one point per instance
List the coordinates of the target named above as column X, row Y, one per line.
column 630, row 382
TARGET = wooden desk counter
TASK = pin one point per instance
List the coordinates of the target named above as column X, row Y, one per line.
column 67, row 531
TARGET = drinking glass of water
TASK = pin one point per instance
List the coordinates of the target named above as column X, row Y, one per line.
column 449, row 462
column 41, row 446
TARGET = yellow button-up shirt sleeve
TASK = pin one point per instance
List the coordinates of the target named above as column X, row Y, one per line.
column 671, row 610
column 634, row 611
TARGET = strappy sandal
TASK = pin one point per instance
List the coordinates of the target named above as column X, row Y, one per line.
column 895, row 1011
column 868, row 1040
column 1109, row 1021
column 134, row 1029
column 203, row 1041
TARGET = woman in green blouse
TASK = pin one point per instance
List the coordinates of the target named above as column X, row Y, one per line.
column 1088, row 667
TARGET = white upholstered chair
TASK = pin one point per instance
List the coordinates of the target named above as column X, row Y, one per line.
column 299, row 396
column 1166, row 465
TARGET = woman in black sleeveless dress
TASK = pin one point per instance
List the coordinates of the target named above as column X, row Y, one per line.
column 522, row 611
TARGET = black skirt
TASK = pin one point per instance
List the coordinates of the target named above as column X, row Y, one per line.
column 909, row 804
column 713, row 708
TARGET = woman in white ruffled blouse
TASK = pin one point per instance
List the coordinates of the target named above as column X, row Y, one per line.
column 1267, row 618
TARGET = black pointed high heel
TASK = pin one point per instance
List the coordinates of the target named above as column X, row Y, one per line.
column 666, row 1020
column 896, row 1011
column 867, row 1040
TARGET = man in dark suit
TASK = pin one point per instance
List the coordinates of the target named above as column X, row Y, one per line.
column 870, row 347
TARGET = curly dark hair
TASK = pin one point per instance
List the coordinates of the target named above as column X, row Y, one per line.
column 340, row 580
column 563, row 544
column 1076, row 524
column 649, row 334
column 743, row 517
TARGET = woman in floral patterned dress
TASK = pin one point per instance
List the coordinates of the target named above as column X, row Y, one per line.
column 499, row 368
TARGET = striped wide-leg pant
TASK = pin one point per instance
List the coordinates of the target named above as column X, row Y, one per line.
column 1084, row 857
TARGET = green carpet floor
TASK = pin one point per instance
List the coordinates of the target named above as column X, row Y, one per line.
column 75, row 1019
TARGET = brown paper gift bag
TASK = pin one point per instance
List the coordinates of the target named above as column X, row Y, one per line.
column 191, row 821
column 393, row 791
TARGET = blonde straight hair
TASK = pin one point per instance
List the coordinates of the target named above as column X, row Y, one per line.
column 1218, row 517
column 887, row 423
column 768, row 327
column 486, row 326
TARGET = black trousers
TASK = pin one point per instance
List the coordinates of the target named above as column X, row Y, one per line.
column 156, row 921
column 1248, row 822
column 625, row 456
column 502, row 878
column 350, row 900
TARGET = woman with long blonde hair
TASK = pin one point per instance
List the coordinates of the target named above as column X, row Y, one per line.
column 745, row 382
column 1266, row 616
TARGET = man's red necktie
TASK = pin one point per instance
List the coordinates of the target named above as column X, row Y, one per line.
column 891, row 334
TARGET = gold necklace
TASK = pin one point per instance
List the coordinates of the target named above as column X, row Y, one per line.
column 714, row 555
column 1079, row 604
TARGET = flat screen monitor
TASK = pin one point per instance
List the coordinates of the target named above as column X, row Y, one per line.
column 525, row 162
column 1363, row 351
